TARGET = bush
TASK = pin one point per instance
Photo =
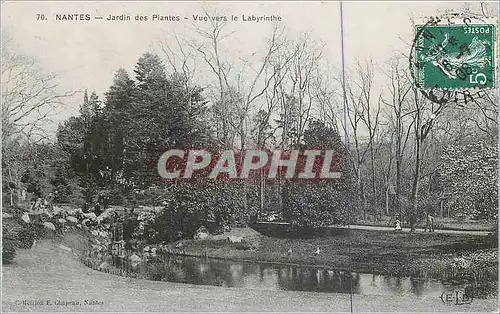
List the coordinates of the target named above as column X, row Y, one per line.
column 29, row 233
column 245, row 244
column 9, row 240
column 165, row 272
column 8, row 252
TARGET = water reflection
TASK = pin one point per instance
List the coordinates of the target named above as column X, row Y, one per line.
column 277, row 277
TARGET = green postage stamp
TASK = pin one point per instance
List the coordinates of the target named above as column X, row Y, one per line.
column 455, row 56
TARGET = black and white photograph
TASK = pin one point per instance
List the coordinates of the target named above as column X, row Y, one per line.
column 249, row 156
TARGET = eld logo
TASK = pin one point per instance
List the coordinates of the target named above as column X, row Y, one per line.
column 456, row 297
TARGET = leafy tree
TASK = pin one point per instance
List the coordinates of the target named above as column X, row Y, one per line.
column 322, row 203
column 166, row 114
column 83, row 139
column 119, row 106
column 470, row 175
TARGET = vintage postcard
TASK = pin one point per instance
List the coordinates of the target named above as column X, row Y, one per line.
column 300, row 156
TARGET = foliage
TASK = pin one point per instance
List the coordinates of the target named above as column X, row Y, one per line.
column 9, row 240
column 470, row 173
column 322, row 203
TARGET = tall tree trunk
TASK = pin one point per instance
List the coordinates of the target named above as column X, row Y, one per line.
column 398, row 175
column 364, row 202
column 416, row 179
column 387, row 199
column 11, row 189
column 262, row 183
column 374, row 189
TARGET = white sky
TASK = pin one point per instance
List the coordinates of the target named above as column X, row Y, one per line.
column 86, row 54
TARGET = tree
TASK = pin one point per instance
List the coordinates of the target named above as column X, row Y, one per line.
column 165, row 114
column 29, row 95
column 84, row 141
column 470, row 176
column 316, row 204
column 398, row 112
column 120, row 102
column 363, row 117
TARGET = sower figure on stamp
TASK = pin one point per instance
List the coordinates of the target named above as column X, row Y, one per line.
column 429, row 222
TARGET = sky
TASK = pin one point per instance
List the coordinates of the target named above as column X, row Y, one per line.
column 86, row 54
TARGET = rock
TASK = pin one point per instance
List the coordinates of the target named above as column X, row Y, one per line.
column 135, row 258
column 90, row 216
column 234, row 239
column 25, row 217
column 49, row 225
column 104, row 265
column 103, row 233
column 102, row 217
column 57, row 209
column 72, row 219
column 108, row 258
column 201, row 233
column 64, row 248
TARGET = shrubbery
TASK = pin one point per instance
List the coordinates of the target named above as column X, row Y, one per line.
column 9, row 240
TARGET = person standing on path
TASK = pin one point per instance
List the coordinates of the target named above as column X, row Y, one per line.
column 429, row 222
column 398, row 225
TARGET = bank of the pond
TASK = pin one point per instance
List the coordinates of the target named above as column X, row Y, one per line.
column 51, row 272
column 368, row 251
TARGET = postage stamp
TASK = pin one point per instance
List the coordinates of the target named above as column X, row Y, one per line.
column 455, row 56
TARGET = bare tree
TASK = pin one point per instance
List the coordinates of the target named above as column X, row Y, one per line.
column 243, row 89
column 369, row 116
column 328, row 108
column 399, row 88
column 424, row 114
column 364, row 122
column 29, row 96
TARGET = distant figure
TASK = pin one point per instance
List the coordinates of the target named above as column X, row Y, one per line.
column 290, row 252
column 397, row 228
column 46, row 204
column 50, row 201
column 317, row 251
column 97, row 209
column 429, row 222
column 38, row 205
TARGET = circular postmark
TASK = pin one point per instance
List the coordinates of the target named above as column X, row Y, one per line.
column 453, row 57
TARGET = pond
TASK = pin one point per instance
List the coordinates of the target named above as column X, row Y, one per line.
column 263, row 276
